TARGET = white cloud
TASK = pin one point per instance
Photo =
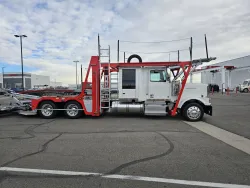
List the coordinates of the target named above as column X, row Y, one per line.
column 62, row 31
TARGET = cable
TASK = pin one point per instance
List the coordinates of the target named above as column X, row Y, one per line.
column 155, row 41
column 154, row 52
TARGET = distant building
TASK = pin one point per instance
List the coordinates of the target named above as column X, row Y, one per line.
column 237, row 76
column 14, row 80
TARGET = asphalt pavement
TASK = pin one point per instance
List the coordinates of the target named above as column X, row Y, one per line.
column 231, row 112
column 114, row 147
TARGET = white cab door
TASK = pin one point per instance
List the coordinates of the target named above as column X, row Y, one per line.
column 159, row 86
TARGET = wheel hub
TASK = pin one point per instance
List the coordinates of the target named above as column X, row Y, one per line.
column 47, row 110
column 193, row 112
column 72, row 110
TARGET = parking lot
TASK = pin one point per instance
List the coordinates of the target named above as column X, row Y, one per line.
column 125, row 151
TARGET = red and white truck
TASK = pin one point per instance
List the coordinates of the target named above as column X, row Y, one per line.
column 150, row 88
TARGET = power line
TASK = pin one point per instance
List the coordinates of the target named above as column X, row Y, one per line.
column 155, row 41
column 155, row 52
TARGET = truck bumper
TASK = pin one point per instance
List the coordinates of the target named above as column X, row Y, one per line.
column 208, row 110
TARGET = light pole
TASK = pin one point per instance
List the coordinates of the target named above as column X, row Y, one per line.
column 3, row 75
column 21, row 44
column 81, row 76
column 76, row 72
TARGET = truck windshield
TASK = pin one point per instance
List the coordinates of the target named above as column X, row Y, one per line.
column 245, row 82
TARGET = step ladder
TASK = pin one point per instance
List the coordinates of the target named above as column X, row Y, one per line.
column 104, row 57
column 110, row 79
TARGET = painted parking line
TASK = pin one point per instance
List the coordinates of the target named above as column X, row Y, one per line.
column 124, row 177
column 229, row 138
column 52, row 172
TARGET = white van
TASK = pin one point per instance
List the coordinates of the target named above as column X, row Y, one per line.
column 245, row 87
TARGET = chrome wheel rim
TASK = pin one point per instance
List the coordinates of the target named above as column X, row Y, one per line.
column 72, row 110
column 47, row 110
column 193, row 112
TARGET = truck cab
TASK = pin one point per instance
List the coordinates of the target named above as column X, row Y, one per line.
column 141, row 84
column 152, row 87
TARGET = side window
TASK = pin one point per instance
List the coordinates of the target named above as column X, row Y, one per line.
column 158, row 76
column 249, row 83
column 128, row 78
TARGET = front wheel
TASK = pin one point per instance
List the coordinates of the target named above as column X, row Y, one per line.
column 245, row 90
column 193, row 112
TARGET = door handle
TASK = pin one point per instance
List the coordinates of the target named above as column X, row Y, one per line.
column 123, row 93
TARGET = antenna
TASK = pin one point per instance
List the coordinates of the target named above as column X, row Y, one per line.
column 124, row 56
column 99, row 47
column 118, row 49
column 191, row 48
column 206, row 45
column 178, row 56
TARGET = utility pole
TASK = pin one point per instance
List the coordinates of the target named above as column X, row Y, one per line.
column 3, row 75
column 76, row 72
column 21, row 44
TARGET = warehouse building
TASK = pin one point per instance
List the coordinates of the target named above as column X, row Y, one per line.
column 14, row 80
column 233, row 77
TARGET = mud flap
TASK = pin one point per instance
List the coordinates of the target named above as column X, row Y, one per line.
column 208, row 110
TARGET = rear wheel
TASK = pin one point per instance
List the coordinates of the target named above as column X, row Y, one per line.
column 73, row 110
column 193, row 112
column 47, row 110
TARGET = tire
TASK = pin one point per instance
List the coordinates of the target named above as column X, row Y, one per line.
column 71, row 113
column 46, row 105
column 195, row 107
column 134, row 56
column 245, row 90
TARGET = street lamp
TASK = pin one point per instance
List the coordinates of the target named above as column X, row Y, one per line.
column 3, row 75
column 76, row 72
column 21, row 36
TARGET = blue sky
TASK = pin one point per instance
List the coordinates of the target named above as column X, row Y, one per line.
column 61, row 31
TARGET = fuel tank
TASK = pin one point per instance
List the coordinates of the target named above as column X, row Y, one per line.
column 118, row 107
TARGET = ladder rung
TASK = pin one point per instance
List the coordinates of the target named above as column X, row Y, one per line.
column 104, row 49
column 105, row 107
column 104, row 56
